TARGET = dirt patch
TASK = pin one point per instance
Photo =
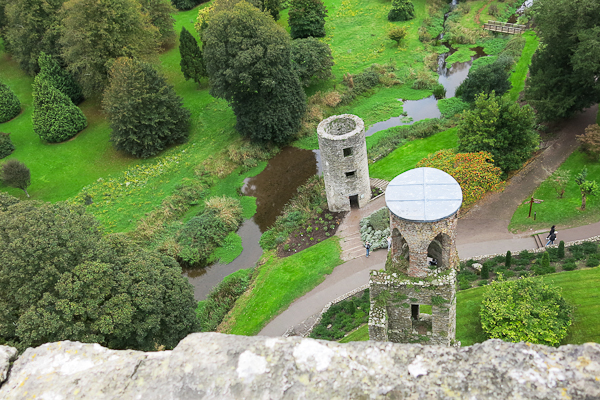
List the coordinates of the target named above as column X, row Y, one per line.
column 375, row 191
column 317, row 229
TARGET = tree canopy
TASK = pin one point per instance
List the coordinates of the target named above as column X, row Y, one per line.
column 10, row 106
column 60, row 279
column 145, row 113
column 16, row 174
column 95, row 32
column 307, row 18
column 564, row 71
column 248, row 61
column 311, row 59
column 192, row 64
column 500, row 127
column 486, row 79
column 402, row 10
column 160, row 12
column 51, row 72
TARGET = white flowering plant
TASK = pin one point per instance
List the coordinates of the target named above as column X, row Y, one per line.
column 375, row 228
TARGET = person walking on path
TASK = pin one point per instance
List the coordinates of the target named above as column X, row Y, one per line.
column 368, row 247
column 389, row 240
column 551, row 236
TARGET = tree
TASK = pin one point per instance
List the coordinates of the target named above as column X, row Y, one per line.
column 486, row 79
column 402, row 10
column 97, row 32
column 307, row 18
column 192, row 65
column 55, row 117
column 75, row 284
column 525, row 310
column 398, row 33
column 16, row 174
column 559, row 180
column 311, row 59
column 500, row 127
column 590, row 141
column 160, row 12
column 32, row 26
column 587, row 188
column 248, row 61
column 10, row 106
column 61, row 79
column 145, row 113
column 270, row 6
column 564, row 70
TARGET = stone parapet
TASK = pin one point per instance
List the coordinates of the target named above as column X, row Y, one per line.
column 217, row 366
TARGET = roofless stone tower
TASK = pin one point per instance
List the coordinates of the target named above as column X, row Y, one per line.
column 344, row 158
column 421, row 266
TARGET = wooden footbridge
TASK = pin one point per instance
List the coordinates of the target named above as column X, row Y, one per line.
column 504, row 27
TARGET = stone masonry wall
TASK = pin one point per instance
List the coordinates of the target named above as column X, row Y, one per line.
column 216, row 366
column 391, row 319
column 335, row 134
column 419, row 236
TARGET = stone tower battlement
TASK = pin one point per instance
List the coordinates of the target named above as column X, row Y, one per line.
column 344, row 159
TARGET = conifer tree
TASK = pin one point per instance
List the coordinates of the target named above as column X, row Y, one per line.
column 60, row 78
column 192, row 65
column 145, row 113
column 55, row 117
column 10, row 106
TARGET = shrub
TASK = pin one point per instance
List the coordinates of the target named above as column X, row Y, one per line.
column 55, row 117
column 425, row 80
column 452, row 106
column 10, row 106
column 545, row 261
column 398, row 33
column 525, row 310
column 439, row 92
column 6, row 145
column 569, row 265
column 590, row 141
column 592, row 261
column 61, row 79
column 474, row 172
column 561, row 249
column 307, row 18
column 343, row 317
column 145, row 113
column 493, row 10
column 402, row 10
column 191, row 64
column 508, row 260
column 221, row 299
column 375, row 228
column 485, row 79
column 485, row 271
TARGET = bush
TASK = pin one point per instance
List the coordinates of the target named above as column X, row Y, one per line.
column 485, row 79
column 493, row 10
column 201, row 235
column 474, row 172
column 145, row 113
column 508, row 259
column 16, row 174
column 6, row 145
column 61, row 79
column 439, row 92
column 545, row 261
column 525, row 310
column 590, row 248
column 485, row 271
column 592, row 261
column 452, row 106
column 402, row 10
column 307, row 18
column 55, row 117
column 10, row 106
column 561, row 249
column 221, row 299
column 590, row 141
column 569, row 265
column 375, row 228
column 343, row 317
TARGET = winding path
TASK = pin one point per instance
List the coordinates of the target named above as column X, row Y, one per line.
column 483, row 230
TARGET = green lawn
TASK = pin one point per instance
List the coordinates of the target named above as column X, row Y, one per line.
column 563, row 212
column 358, row 335
column 278, row 283
column 579, row 288
column 517, row 78
column 406, row 157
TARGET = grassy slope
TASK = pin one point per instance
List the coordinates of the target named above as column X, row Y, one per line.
column 579, row 288
column 519, row 74
column 562, row 212
column 278, row 283
column 406, row 157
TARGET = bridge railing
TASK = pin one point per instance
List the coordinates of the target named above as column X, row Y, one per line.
column 505, row 27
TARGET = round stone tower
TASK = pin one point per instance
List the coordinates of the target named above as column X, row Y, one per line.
column 344, row 159
column 420, row 270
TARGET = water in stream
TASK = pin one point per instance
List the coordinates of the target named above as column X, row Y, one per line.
column 273, row 188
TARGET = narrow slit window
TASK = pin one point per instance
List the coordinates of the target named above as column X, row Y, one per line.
column 347, row 151
column 350, row 174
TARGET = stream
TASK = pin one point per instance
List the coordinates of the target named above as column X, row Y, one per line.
column 292, row 167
